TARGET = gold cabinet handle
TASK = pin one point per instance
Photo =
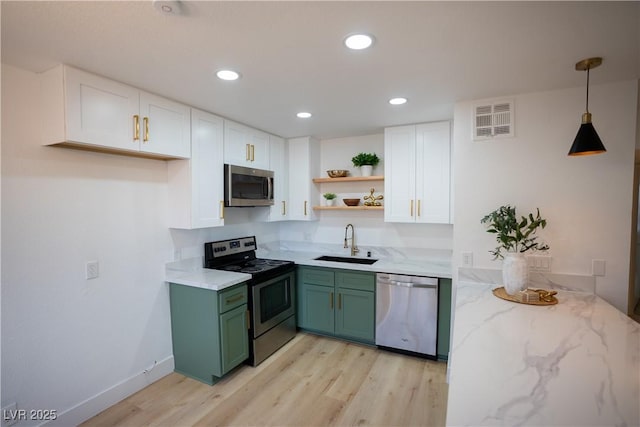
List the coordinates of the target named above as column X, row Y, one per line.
column 339, row 301
column 136, row 127
column 284, row 207
column 146, row 129
column 331, row 300
column 253, row 153
column 221, row 209
column 234, row 299
column 411, row 208
column 248, row 152
column 305, row 208
column 418, row 207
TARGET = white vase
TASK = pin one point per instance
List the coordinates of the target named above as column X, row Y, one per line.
column 515, row 273
column 366, row 170
column 329, row 202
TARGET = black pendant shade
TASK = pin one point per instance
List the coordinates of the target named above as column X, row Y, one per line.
column 587, row 140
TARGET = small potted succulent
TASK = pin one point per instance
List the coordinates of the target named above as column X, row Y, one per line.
column 366, row 162
column 515, row 237
column 329, row 198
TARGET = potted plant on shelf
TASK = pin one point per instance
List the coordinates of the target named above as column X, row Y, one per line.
column 366, row 162
column 329, row 198
column 515, row 237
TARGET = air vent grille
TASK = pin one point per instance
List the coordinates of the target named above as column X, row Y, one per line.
column 493, row 120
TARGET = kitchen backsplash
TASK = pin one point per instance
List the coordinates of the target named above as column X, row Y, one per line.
column 542, row 280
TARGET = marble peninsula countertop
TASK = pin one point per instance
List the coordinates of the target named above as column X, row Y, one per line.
column 190, row 272
column 576, row 363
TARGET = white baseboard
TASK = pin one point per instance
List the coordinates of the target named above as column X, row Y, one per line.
column 101, row 401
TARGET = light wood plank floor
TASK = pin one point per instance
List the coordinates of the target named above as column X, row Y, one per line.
column 311, row 381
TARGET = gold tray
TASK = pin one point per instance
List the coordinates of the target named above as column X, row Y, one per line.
column 546, row 297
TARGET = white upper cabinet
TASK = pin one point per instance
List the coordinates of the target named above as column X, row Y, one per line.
column 83, row 110
column 196, row 186
column 304, row 154
column 245, row 146
column 417, row 173
column 278, row 163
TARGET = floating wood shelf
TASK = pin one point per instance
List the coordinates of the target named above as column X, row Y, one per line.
column 350, row 179
column 348, row 208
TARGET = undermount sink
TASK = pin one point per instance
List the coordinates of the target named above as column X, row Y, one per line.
column 368, row 261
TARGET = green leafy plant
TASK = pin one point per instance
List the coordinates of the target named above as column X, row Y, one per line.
column 362, row 159
column 329, row 196
column 514, row 235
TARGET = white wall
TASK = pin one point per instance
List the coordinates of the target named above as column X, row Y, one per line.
column 68, row 342
column 586, row 200
column 371, row 230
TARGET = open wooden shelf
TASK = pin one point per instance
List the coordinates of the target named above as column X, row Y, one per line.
column 348, row 208
column 350, row 179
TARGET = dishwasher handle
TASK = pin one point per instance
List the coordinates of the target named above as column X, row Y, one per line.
column 409, row 284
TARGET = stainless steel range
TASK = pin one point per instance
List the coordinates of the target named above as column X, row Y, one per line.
column 271, row 293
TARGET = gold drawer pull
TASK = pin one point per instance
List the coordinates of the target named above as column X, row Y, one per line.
column 411, row 208
column 305, row 208
column 221, row 209
column 418, row 207
column 146, row 129
column 234, row 299
column 284, row 207
column 253, row 152
column 331, row 300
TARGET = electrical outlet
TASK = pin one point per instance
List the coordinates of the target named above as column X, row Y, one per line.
column 539, row 262
column 11, row 415
column 93, row 270
column 599, row 267
column 467, row 259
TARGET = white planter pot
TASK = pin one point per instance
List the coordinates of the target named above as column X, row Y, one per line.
column 329, row 202
column 515, row 273
column 366, row 170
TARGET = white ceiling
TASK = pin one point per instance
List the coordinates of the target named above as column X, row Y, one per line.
column 291, row 57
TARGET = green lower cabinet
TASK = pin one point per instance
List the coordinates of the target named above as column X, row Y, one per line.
column 340, row 303
column 209, row 330
column 444, row 318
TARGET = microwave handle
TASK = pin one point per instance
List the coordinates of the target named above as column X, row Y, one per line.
column 270, row 187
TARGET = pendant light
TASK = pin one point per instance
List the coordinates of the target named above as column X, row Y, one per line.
column 587, row 140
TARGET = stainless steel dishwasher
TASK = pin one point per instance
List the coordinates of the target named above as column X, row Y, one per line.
column 407, row 313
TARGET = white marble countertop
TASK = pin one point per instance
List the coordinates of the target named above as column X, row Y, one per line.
column 433, row 267
column 190, row 272
column 576, row 363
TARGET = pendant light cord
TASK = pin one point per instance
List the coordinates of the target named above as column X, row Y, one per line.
column 587, row 107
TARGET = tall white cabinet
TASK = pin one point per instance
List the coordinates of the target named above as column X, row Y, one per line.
column 83, row 110
column 196, row 186
column 304, row 155
column 418, row 173
column 280, row 167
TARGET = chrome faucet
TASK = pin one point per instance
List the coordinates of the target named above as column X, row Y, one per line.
column 354, row 248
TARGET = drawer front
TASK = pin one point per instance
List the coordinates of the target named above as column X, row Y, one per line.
column 232, row 297
column 360, row 281
column 317, row 276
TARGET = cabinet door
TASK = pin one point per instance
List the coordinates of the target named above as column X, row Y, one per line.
column 165, row 126
column 278, row 164
column 355, row 314
column 433, row 156
column 303, row 159
column 99, row 111
column 207, row 166
column 259, row 149
column 400, row 174
column 317, row 308
column 234, row 338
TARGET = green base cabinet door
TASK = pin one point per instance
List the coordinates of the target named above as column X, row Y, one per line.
column 316, row 312
column 355, row 317
column 209, row 330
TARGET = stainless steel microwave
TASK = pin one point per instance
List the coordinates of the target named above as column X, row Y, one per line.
column 247, row 186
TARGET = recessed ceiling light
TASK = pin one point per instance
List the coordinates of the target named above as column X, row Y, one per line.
column 397, row 101
column 227, row 75
column 168, row 7
column 358, row 41
column 303, row 115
